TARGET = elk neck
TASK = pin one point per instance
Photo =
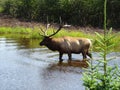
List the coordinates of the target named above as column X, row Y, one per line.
column 53, row 45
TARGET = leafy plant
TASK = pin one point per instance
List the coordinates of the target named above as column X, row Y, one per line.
column 102, row 76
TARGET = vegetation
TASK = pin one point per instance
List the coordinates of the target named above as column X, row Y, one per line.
column 33, row 33
column 99, row 76
column 76, row 12
column 103, row 76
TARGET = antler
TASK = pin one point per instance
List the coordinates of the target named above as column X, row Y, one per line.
column 44, row 30
column 60, row 27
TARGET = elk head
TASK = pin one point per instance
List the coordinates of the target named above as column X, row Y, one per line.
column 47, row 38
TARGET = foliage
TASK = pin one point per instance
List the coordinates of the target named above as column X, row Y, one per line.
column 76, row 12
column 33, row 33
column 103, row 76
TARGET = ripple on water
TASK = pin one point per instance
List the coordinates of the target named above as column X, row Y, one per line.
column 29, row 68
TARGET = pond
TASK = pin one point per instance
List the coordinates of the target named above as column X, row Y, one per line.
column 24, row 65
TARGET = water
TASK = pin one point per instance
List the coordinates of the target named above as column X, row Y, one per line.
column 26, row 66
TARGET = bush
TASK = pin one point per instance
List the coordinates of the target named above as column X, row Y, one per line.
column 102, row 76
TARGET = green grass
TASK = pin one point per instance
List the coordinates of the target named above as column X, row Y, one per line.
column 14, row 30
column 21, row 32
column 116, row 40
column 64, row 32
column 35, row 33
column 1, row 9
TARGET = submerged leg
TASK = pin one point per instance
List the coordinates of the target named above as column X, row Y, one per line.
column 60, row 57
column 89, row 54
column 84, row 55
column 69, row 57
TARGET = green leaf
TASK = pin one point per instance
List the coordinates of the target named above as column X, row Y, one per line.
column 111, row 58
column 110, row 31
column 109, row 47
column 102, row 61
column 100, row 36
column 100, row 43
column 110, row 37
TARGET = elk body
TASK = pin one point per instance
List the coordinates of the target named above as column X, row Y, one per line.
column 67, row 45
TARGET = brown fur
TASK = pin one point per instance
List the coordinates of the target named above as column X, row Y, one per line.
column 68, row 45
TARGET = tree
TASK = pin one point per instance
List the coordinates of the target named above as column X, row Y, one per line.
column 103, row 76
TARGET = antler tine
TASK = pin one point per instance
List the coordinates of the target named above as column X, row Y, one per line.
column 44, row 32
column 60, row 27
column 47, row 26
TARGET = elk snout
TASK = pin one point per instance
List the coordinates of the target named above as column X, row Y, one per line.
column 41, row 44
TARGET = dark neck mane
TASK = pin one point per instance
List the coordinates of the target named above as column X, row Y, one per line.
column 53, row 45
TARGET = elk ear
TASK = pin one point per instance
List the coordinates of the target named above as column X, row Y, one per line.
column 48, row 38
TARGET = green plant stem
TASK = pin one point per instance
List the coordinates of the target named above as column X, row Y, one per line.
column 105, row 36
column 105, row 17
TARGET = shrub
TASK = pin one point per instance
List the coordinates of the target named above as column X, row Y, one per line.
column 103, row 76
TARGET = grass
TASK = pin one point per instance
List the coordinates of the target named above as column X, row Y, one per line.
column 1, row 9
column 21, row 32
column 35, row 33
column 116, row 40
column 14, row 30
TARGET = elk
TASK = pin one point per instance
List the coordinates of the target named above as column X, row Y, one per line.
column 66, row 44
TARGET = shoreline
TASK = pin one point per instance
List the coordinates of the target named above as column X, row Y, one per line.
column 9, row 21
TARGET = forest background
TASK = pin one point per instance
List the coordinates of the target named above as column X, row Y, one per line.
column 75, row 12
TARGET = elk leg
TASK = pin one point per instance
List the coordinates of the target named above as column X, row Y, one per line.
column 89, row 54
column 84, row 55
column 69, row 57
column 60, row 57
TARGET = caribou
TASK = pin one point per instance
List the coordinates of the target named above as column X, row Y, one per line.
column 66, row 44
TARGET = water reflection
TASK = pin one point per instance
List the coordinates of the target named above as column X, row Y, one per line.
column 24, row 65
